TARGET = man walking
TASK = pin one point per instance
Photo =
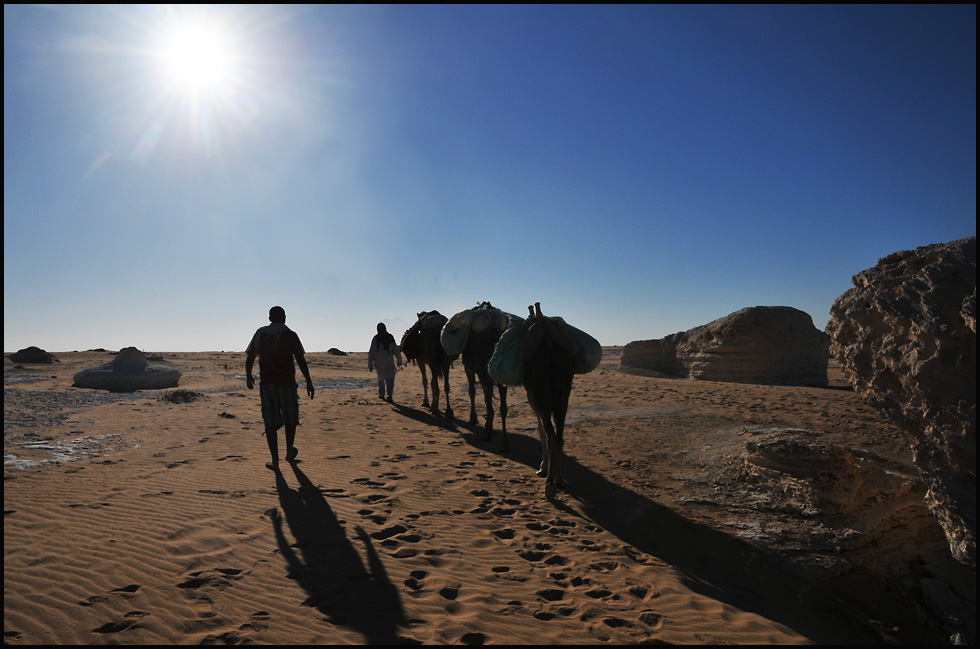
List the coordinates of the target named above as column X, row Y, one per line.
column 383, row 356
column 276, row 345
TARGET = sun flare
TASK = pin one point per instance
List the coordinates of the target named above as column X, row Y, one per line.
column 198, row 57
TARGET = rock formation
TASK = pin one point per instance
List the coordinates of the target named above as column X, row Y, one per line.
column 906, row 338
column 33, row 355
column 848, row 507
column 771, row 345
column 129, row 371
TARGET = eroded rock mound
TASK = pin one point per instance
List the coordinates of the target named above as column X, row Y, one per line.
column 182, row 396
column 769, row 345
column 848, row 506
column 906, row 338
column 33, row 355
column 129, row 371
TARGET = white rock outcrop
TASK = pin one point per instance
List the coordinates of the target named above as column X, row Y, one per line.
column 769, row 345
column 906, row 339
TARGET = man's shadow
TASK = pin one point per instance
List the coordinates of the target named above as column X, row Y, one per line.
column 325, row 563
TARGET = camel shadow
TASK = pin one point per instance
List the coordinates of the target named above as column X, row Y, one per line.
column 349, row 592
column 426, row 417
column 712, row 563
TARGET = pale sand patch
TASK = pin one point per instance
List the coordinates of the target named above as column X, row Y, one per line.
column 400, row 527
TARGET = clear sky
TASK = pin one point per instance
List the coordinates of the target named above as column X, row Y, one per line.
column 171, row 172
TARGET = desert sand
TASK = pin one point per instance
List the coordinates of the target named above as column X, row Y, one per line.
column 151, row 517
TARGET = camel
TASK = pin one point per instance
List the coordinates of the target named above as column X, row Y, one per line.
column 480, row 328
column 421, row 345
column 548, row 353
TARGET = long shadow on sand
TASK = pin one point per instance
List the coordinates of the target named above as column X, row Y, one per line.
column 426, row 417
column 328, row 567
column 713, row 563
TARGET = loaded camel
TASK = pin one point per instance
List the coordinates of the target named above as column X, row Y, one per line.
column 421, row 345
column 474, row 333
column 543, row 354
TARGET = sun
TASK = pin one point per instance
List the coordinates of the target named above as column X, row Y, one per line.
column 199, row 57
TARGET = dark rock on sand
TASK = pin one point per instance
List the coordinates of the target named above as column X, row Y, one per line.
column 182, row 396
column 129, row 371
column 33, row 355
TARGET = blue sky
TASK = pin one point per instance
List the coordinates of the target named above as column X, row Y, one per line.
column 639, row 170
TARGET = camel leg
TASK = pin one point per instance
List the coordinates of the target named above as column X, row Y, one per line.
column 557, row 442
column 545, row 457
column 425, row 386
column 488, row 400
column 555, row 446
column 504, row 443
column 445, row 378
column 435, row 392
column 471, row 379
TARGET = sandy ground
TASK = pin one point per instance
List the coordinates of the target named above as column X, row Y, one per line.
column 151, row 518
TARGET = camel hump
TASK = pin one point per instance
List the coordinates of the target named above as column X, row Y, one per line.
column 410, row 344
column 506, row 366
column 456, row 332
column 553, row 329
column 432, row 319
column 584, row 351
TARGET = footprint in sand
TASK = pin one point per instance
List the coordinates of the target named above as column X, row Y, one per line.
column 551, row 594
column 532, row 555
column 255, row 622
column 159, row 493
column 606, row 565
column 131, row 588
column 367, row 482
column 389, row 532
column 616, row 622
column 223, row 578
column 415, row 579
column 651, row 619
column 450, row 592
column 129, row 621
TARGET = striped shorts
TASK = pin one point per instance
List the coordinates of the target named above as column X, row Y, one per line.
column 280, row 405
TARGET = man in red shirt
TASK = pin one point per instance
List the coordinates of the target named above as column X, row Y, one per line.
column 275, row 345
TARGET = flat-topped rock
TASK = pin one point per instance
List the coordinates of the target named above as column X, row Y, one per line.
column 129, row 371
column 769, row 345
